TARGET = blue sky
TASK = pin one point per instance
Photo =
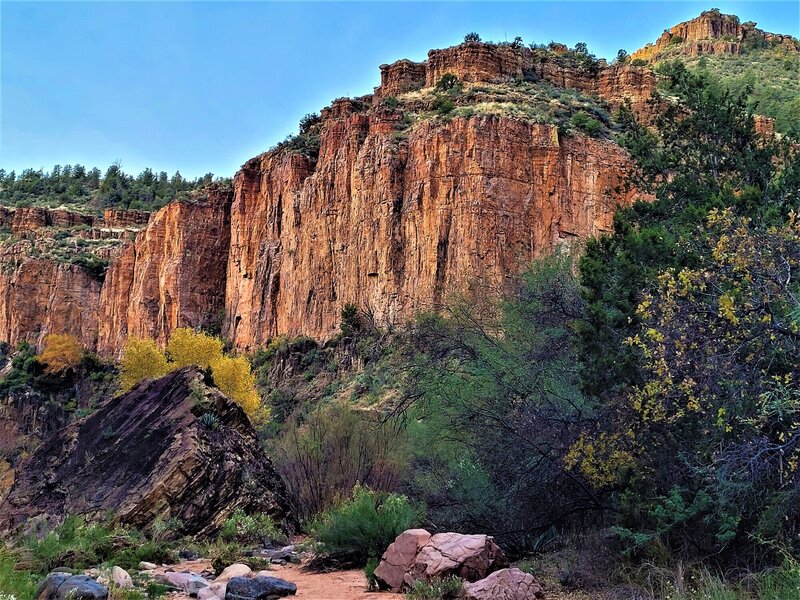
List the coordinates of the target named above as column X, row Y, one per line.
column 201, row 87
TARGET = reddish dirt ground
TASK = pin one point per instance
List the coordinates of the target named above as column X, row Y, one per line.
column 338, row 585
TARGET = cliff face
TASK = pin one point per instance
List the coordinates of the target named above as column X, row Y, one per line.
column 712, row 33
column 395, row 227
column 40, row 296
column 173, row 275
column 389, row 216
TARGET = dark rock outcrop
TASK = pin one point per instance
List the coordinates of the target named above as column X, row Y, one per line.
column 148, row 454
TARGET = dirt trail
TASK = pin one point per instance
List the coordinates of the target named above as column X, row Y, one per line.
column 338, row 585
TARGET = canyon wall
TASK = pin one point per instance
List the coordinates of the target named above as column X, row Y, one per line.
column 392, row 221
column 394, row 228
column 172, row 276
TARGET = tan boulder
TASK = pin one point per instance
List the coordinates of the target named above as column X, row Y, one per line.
column 121, row 578
column 471, row 557
column 505, row 584
column 398, row 558
column 416, row 555
column 234, row 570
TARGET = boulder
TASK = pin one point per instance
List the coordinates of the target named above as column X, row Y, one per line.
column 234, row 570
column 399, row 557
column 215, row 590
column 121, row 578
column 62, row 586
column 417, row 555
column 505, row 584
column 187, row 582
column 147, row 566
column 147, row 455
column 259, row 588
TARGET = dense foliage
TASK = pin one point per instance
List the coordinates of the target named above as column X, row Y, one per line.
column 361, row 527
column 770, row 75
column 75, row 186
column 691, row 338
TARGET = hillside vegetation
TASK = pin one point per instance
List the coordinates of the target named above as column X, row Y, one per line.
column 91, row 191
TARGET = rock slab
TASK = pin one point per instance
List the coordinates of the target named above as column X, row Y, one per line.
column 147, row 455
column 63, row 586
column 505, row 584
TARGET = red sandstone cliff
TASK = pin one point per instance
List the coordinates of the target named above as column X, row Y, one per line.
column 394, row 227
column 712, row 33
column 386, row 221
column 172, row 276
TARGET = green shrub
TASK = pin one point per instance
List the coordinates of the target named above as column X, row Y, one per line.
column 18, row 584
column 246, row 529
column 362, row 526
column 369, row 574
column 639, row 62
column 588, row 125
column 221, row 554
column 443, row 105
column 447, row 82
column 782, row 583
column 449, row 588
column 79, row 545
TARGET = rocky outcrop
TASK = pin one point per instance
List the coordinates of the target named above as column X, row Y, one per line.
column 114, row 218
column 416, row 555
column 172, row 276
column 151, row 453
column 478, row 62
column 401, row 77
column 712, row 33
column 395, row 227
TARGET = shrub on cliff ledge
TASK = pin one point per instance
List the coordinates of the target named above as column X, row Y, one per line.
column 141, row 359
column 586, row 124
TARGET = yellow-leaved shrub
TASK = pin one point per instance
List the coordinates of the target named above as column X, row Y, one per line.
column 61, row 352
column 143, row 359
column 189, row 347
column 233, row 377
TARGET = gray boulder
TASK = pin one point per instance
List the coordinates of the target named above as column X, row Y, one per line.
column 258, row 588
column 63, row 586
